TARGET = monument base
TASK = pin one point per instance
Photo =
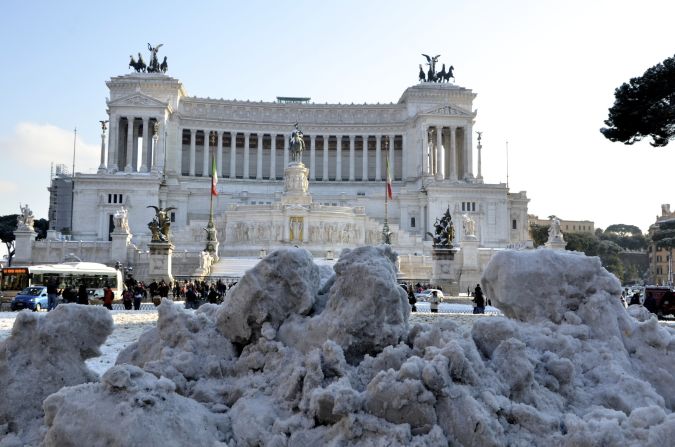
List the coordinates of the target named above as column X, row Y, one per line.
column 296, row 185
column 444, row 274
column 160, row 261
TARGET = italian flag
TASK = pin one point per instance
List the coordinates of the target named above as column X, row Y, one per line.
column 214, row 178
column 389, row 190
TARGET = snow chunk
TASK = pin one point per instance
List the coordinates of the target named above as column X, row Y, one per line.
column 129, row 407
column 44, row 353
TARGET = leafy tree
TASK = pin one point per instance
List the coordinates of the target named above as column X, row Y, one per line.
column 41, row 226
column 664, row 235
column 7, row 227
column 628, row 237
column 539, row 234
column 644, row 107
column 589, row 244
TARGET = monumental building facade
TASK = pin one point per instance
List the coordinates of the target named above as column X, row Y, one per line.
column 160, row 146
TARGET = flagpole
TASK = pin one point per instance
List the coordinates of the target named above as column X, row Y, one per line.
column 211, row 236
column 386, row 234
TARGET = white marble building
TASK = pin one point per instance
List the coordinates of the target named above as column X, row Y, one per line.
column 427, row 136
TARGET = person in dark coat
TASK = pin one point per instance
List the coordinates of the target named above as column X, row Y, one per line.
column 82, row 295
column 479, row 299
column 411, row 299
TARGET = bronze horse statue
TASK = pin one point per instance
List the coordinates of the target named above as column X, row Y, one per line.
column 139, row 65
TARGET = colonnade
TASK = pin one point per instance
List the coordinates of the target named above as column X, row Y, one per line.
column 129, row 136
column 254, row 155
column 447, row 152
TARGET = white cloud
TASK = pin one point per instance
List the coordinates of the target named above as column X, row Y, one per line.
column 39, row 145
column 28, row 156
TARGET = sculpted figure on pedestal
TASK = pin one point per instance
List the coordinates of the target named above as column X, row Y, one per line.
column 160, row 224
column 121, row 219
column 26, row 219
column 296, row 145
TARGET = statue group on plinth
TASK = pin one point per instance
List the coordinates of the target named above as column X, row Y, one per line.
column 154, row 66
column 555, row 235
column 160, row 224
column 432, row 75
column 121, row 220
column 296, row 145
column 26, row 219
column 444, row 231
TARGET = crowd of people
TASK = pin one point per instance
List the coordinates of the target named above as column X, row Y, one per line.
column 434, row 300
column 193, row 292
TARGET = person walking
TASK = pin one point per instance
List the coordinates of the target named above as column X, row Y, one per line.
column 139, row 294
column 479, row 299
column 82, row 295
column 108, row 297
column 411, row 298
column 433, row 302
column 52, row 294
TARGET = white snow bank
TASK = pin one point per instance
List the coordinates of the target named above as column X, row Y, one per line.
column 44, row 353
column 293, row 358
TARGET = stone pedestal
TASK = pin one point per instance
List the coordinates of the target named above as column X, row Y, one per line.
column 443, row 270
column 555, row 244
column 120, row 243
column 470, row 264
column 23, row 245
column 296, row 185
column 160, row 261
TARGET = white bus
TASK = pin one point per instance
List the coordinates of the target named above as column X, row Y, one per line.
column 69, row 274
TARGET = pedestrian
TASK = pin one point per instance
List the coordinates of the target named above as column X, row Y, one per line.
column 139, row 293
column 635, row 299
column 479, row 299
column 108, row 297
column 52, row 294
column 212, row 297
column 82, row 295
column 127, row 299
column 411, row 298
column 190, row 298
column 433, row 303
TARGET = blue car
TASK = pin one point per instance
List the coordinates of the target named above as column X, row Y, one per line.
column 33, row 298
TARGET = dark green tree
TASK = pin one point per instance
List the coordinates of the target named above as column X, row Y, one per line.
column 644, row 107
column 41, row 226
column 628, row 237
column 664, row 234
column 539, row 234
column 7, row 227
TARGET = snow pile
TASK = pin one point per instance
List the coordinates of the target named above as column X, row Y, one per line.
column 295, row 358
column 44, row 353
column 129, row 407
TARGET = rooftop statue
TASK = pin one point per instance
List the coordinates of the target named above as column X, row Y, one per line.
column 445, row 231
column 154, row 66
column 297, row 145
column 433, row 76
column 160, row 224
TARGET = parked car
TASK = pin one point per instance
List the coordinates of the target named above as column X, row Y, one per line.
column 425, row 295
column 660, row 300
column 33, row 298
column 95, row 296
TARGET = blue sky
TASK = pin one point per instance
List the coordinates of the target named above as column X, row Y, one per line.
column 544, row 72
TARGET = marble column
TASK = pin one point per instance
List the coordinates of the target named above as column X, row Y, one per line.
column 468, row 155
column 425, row 151
column 378, row 157
column 219, row 153
column 364, row 161
column 233, row 154
column 392, row 165
column 352, row 157
column 453, row 153
column 312, row 157
column 137, row 132
column 326, row 139
column 101, row 167
column 113, row 150
column 147, row 148
column 285, row 152
column 259, row 157
column 338, row 159
column 160, row 146
column 130, row 144
column 206, row 152
column 273, row 156
column 247, row 137
column 440, row 155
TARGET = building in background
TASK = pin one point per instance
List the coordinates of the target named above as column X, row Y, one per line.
column 60, row 199
column 661, row 258
column 567, row 226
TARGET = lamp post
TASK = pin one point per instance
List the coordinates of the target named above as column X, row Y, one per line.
column 211, row 236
